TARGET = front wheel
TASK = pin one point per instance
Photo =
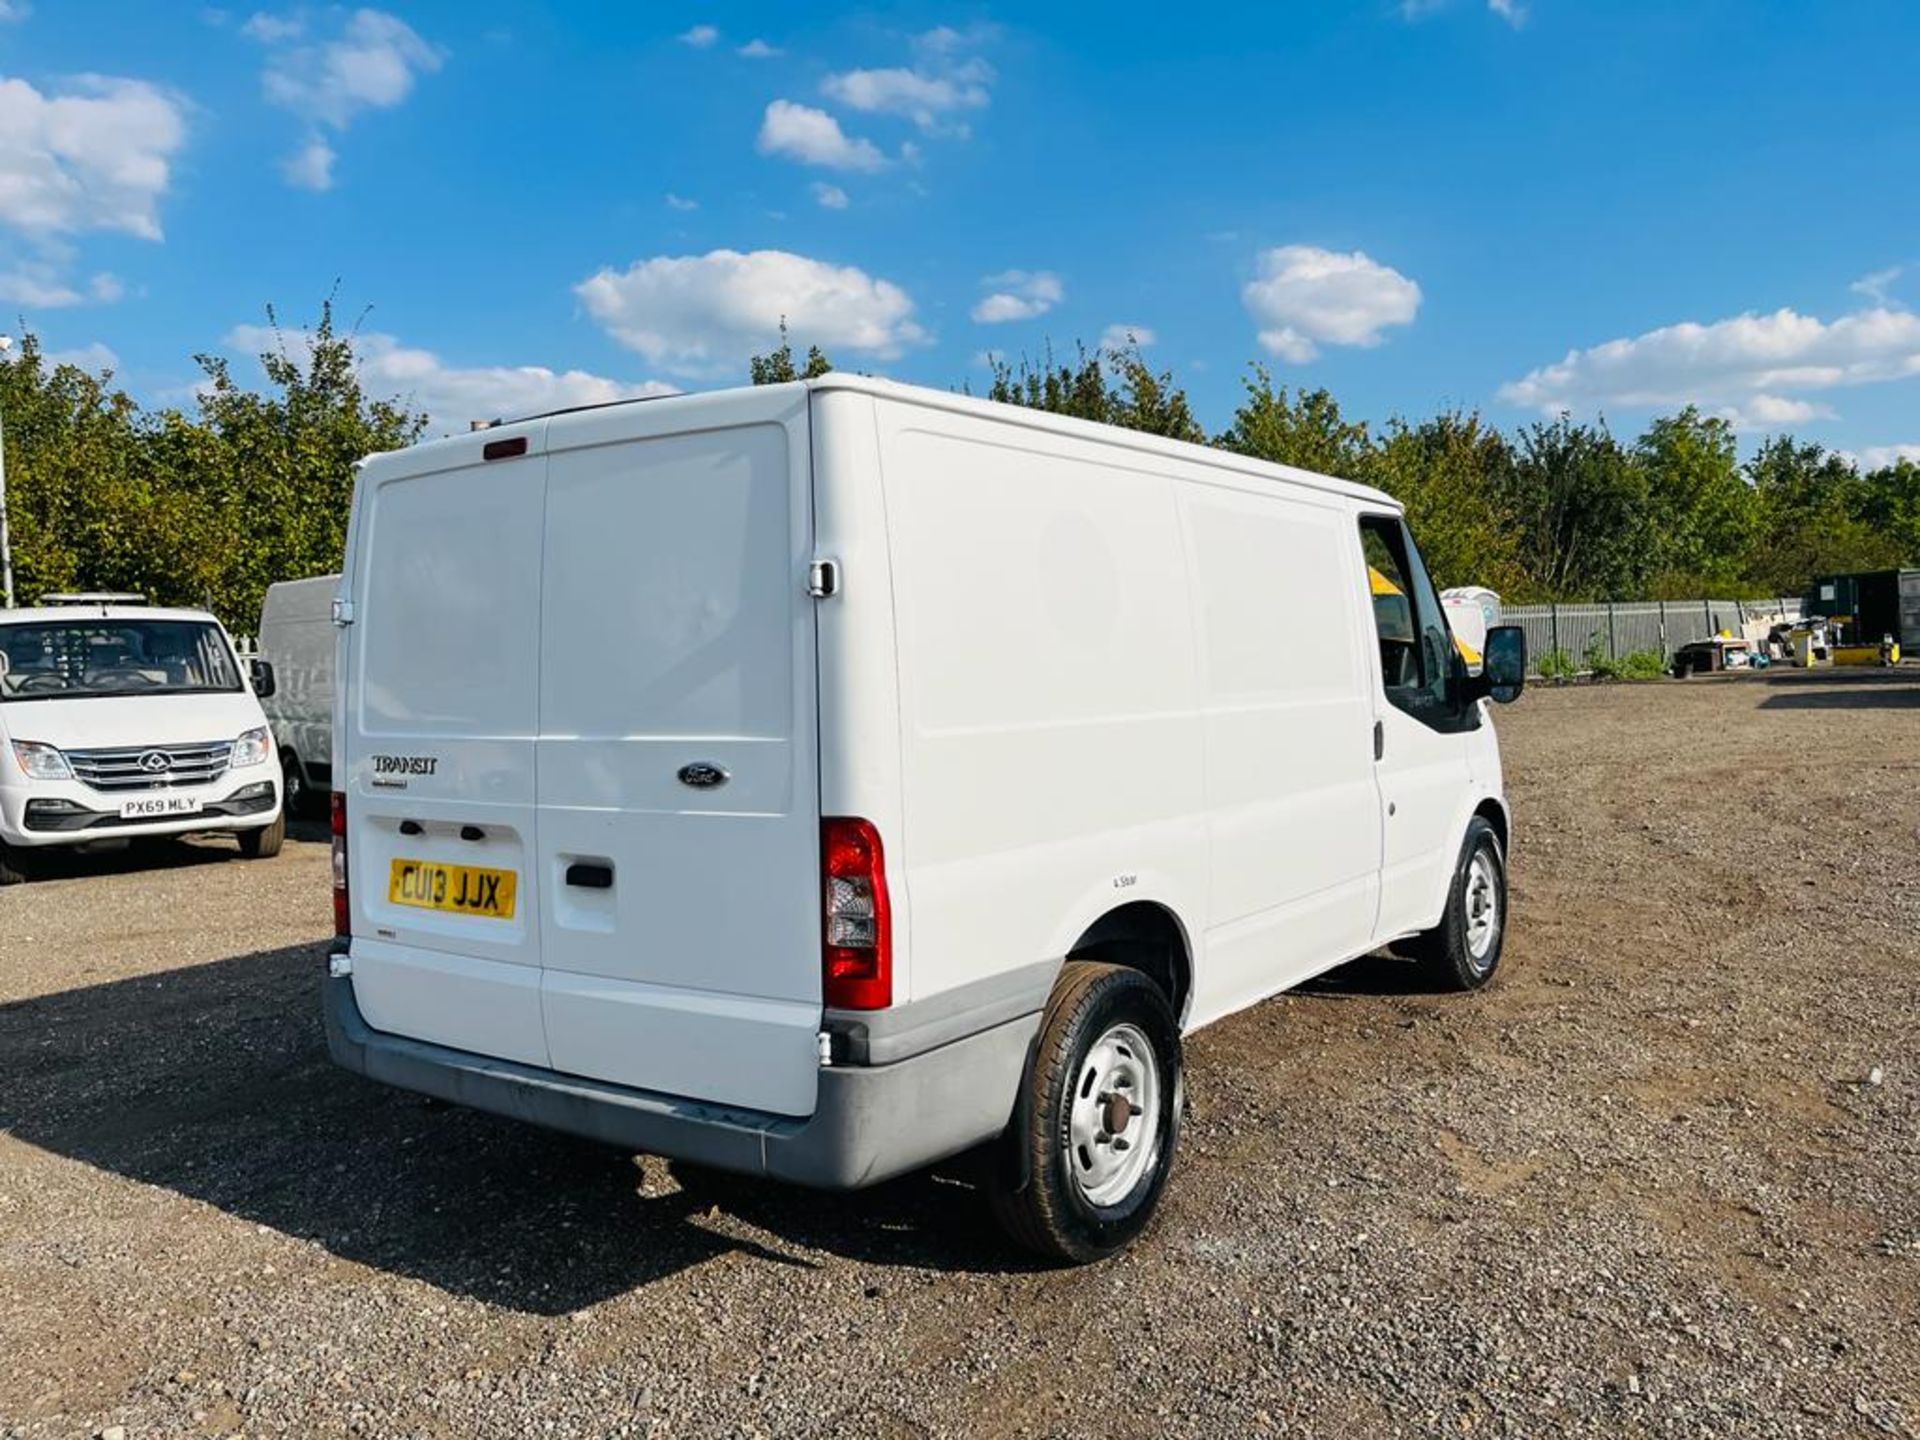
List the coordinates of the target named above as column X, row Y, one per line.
column 1463, row 951
column 1096, row 1129
column 14, row 867
column 264, row 843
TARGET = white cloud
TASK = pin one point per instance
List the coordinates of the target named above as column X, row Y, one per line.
column 92, row 358
column 1305, row 297
column 831, row 197
column 680, row 202
column 311, row 166
column 814, row 137
column 1734, row 361
column 1122, row 337
column 1511, row 11
column 454, row 395
column 371, row 64
column 1876, row 285
column 274, row 29
column 1770, row 412
column 945, row 80
column 1018, row 295
column 1879, row 457
column 98, row 157
column 758, row 49
column 43, row 284
column 704, row 314
column 14, row 10
column 700, row 36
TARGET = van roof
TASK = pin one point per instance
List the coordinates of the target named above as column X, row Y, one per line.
column 930, row 398
column 58, row 614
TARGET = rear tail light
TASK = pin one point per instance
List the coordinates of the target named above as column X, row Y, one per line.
column 342, row 923
column 857, row 957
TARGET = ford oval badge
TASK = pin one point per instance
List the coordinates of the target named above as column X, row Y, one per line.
column 702, row 776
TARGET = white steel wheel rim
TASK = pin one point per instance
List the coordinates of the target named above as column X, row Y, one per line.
column 1113, row 1117
column 1483, row 908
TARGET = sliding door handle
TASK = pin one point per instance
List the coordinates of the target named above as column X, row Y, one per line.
column 1379, row 740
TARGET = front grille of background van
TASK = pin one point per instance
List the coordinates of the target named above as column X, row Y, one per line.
column 119, row 771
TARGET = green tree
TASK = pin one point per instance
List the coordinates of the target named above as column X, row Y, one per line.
column 1579, row 506
column 273, row 469
column 1700, row 509
column 1453, row 474
column 1813, row 516
column 1304, row 428
column 81, row 505
column 776, row 367
column 1115, row 387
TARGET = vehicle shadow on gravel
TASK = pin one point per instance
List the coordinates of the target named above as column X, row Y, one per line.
column 58, row 862
column 1377, row 974
column 1831, row 697
column 213, row 1081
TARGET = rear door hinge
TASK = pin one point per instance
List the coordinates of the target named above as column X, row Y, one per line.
column 823, row 579
column 342, row 612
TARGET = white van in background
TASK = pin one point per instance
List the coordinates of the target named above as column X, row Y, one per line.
column 297, row 639
column 118, row 721
column 823, row 779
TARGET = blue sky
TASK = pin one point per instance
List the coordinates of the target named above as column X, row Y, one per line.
column 1509, row 205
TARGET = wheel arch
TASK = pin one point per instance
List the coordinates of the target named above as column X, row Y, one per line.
column 1148, row 936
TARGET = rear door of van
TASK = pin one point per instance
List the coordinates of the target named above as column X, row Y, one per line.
column 678, row 799
column 437, row 746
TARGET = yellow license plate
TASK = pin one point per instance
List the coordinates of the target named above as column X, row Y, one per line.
column 463, row 889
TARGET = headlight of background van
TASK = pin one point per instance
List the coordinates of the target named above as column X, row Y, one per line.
column 41, row 762
column 250, row 749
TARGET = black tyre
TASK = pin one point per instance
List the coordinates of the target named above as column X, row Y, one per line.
column 1463, row 951
column 264, row 843
column 1094, row 1134
column 297, row 798
column 14, row 867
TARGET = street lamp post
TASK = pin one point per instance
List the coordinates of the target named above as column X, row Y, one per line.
column 6, row 541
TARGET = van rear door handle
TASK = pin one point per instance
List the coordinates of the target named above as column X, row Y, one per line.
column 1379, row 740
column 590, row 876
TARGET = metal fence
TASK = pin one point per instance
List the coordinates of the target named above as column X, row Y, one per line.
column 1620, row 627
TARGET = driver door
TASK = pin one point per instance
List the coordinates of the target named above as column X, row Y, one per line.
column 1422, row 721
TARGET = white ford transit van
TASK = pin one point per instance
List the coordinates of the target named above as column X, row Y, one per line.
column 118, row 721
column 824, row 779
column 296, row 638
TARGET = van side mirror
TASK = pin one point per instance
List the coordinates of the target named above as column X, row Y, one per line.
column 261, row 673
column 1503, row 664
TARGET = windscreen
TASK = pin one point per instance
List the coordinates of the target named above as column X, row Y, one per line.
column 69, row 659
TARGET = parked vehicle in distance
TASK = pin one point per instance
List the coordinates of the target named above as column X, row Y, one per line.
column 823, row 779
column 119, row 721
column 1472, row 611
column 297, row 639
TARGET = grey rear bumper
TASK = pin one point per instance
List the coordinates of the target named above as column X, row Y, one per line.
column 870, row 1122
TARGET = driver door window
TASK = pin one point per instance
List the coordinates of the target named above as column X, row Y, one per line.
column 1419, row 665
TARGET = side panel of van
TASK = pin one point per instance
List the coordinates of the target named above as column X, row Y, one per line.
column 678, row 796
column 297, row 638
column 438, row 754
column 1050, row 752
column 1294, row 823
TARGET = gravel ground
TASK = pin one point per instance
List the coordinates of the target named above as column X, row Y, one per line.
column 1662, row 1178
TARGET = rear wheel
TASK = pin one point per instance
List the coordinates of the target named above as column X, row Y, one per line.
column 1463, row 951
column 1094, row 1135
column 264, row 843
